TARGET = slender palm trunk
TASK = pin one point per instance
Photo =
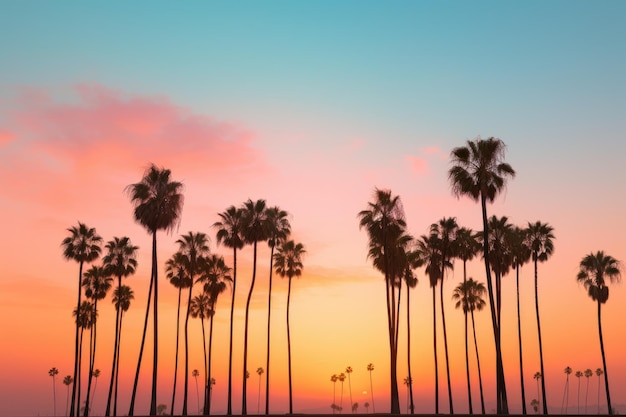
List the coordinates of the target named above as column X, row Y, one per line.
column 598, row 394
column 395, row 401
column 80, row 360
column 54, row 396
column 95, row 386
column 578, row 400
column 565, row 395
column 206, row 366
column 350, row 388
column 340, row 400
column 207, row 410
column 117, row 368
column 467, row 370
column 480, row 377
column 107, row 413
column 445, row 344
column 244, row 403
column 606, row 377
column 334, row 386
column 180, row 292
column 197, row 394
column 92, row 354
column 155, row 312
column 186, row 383
column 73, row 407
column 67, row 401
column 519, row 338
column 435, row 351
column 269, row 315
column 289, row 348
column 229, row 408
column 543, row 375
column 408, row 352
column 372, row 393
column 586, row 395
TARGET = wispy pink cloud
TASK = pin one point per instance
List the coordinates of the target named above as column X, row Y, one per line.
column 419, row 164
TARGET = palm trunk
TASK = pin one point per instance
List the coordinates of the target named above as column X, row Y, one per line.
column 435, row 350
column 207, row 410
column 206, row 366
column 180, row 291
column 586, row 395
column 244, row 405
column 117, row 368
column 289, row 348
column 80, row 359
column 117, row 326
column 67, row 400
column 92, row 354
column 543, row 375
column 54, row 396
column 445, row 344
column 480, row 377
column 155, row 311
column 408, row 351
column 395, row 400
column 229, row 408
column 73, row 407
column 519, row 338
column 467, row 370
column 269, row 314
column 186, row 383
column 606, row 377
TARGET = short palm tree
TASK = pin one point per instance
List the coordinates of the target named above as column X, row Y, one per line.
column 288, row 263
column 200, row 307
column 568, row 372
column 595, row 270
column 120, row 261
column 158, row 204
column 84, row 316
column 334, row 379
column 539, row 240
column 348, row 372
column 53, row 372
column 122, row 297
column 578, row 375
column 367, row 407
column 83, row 245
column 96, row 374
column 588, row 374
column 195, row 374
column 599, row 373
column 259, row 372
column 479, row 172
column 408, row 382
column 535, row 405
column 370, row 368
column 67, row 381
column 229, row 232
column 342, row 377
column 537, row 377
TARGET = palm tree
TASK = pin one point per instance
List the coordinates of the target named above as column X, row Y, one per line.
column 348, row 372
column 367, row 407
column 84, row 316
column 158, row 204
column 537, row 377
column 122, row 296
column 195, row 374
column 467, row 246
column 578, row 375
column 595, row 270
column 479, row 172
column 194, row 247
column 588, row 374
column 200, row 307
column 342, row 377
column 355, row 408
column 278, row 231
column 97, row 283
column 535, row 405
column 408, row 382
column 385, row 225
column 411, row 282
column 53, row 372
column 67, row 381
column 120, row 261
column 288, row 263
column 96, row 374
column 83, row 245
column 599, row 372
column 539, row 240
column 259, row 372
column 229, row 231
column 565, row 401
column 176, row 272
column 334, row 379
column 370, row 368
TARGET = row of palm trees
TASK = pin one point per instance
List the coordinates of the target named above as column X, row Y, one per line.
column 157, row 202
column 588, row 373
column 478, row 171
column 341, row 378
column 67, row 381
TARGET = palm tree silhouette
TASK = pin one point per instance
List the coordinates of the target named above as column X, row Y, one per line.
column 67, row 381
column 278, row 231
column 537, row 377
column 84, row 316
column 348, row 372
column 370, row 368
column 53, row 372
column 588, row 374
column 410, row 281
column 288, row 261
column 539, row 239
column 158, row 204
column 595, row 270
column 120, row 261
column 479, row 172
column 229, row 231
column 578, row 375
column 334, row 379
column 195, row 374
column 176, row 273
column 122, row 296
column 565, row 401
column 342, row 377
column 535, row 405
column 96, row 374
column 355, row 408
column 259, row 372
column 408, row 382
column 599, row 372
column 194, row 247
column 199, row 307
column 83, row 245
column 367, row 407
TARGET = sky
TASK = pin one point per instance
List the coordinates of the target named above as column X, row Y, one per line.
column 310, row 106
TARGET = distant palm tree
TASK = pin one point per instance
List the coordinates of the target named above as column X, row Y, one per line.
column 535, row 405
column 255, row 229
column 595, row 270
column 537, row 377
column 200, row 307
column 348, row 372
column 588, row 374
column 565, row 401
column 259, row 372
column 288, row 261
column 120, row 261
column 410, row 281
column 229, row 231
column 84, row 316
column 479, row 171
column 370, row 368
column 342, row 377
column 334, row 379
column 83, row 245
column 53, row 372
column 599, row 372
column 355, row 408
column 122, row 297
column 158, row 204
column 96, row 374
column 195, row 374
column 539, row 240
column 367, row 407
column 278, row 229
column 578, row 375
column 408, row 382
column 67, row 381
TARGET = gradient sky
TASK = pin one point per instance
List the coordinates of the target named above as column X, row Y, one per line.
column 309, row 105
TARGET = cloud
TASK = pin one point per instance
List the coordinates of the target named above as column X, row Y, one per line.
column 419, row 164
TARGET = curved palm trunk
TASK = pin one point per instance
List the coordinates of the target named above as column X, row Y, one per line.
column 543, row 378
column 244, row 405
column 408, row 352
column 566, row 395
column 289, row 350
column 92, row 355
column 73, row 407
column 186, row 384
column 155, row 311
column 115, row 343
column 207, row 410
column 435, row 350
column 519, row 338
column 606, row 377
column 206, row 367
column 467, row 371
column 445, row 344
column 180, row 291
column 269, row 314
column 229, row 408
column 480, row 377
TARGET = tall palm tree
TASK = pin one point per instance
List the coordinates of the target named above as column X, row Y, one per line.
column 467, row 247
column 259, row 372
column 158, row 204
column 229, row 231
column 367, row 407
column 200, row 307
column 588, row 374
column 479, row 171
column 460, row 296
column 595, row 270
column 500, row 258
column 384, row 221
column 67, row 381
column 288, row 263
column 84, row 316
column 53, row 372
column 334, row 379
column 97, row 282
column 410, row 281
column 539, row 239
column 120, row 261
column 176, row 272
column 538, row 376
column 578, row 375
column 96, row 374
column 122, row 297
column 83, row 245
column 370, row 368
column 195, row 374
column 348, row 372
column 342, row 377
column 407, row 382
column 568, row 372
column 599, row 373
column 194, row 247
column 255, row 229
column 278, row 231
